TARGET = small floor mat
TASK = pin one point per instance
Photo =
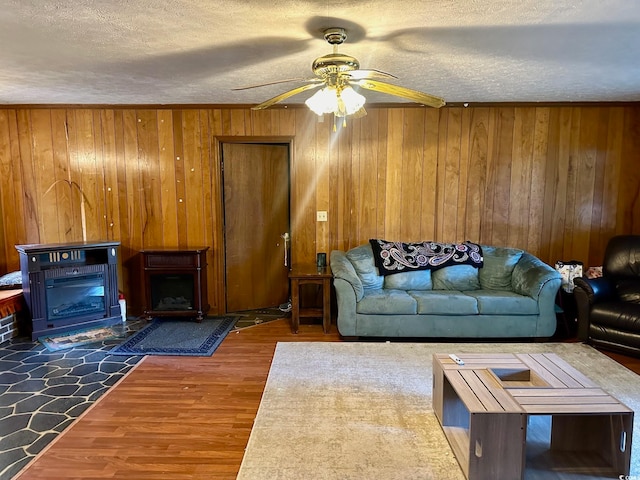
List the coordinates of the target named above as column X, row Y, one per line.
column 251, row 318
column 76, row 338
column 178, row 336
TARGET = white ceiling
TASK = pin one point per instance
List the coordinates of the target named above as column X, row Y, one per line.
column 196, row 51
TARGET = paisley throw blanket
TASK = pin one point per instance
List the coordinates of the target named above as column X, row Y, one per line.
column 396, row 257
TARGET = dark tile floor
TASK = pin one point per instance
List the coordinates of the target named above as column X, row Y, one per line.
column 42, row 393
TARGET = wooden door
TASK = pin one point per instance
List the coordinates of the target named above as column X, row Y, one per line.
column 256, row 216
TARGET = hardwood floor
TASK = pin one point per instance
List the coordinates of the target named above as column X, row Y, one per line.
column 179, row 417
column 631, row 363
column 174, row 417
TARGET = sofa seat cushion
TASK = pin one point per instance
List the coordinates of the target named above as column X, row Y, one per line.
column 362, row 259
column 449, row 302
column 617, row 315
column 418, row 280
column 387, row 301
column 494, row 302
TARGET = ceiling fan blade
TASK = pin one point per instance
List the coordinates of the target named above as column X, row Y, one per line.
column 413, row 95
column 312, row 80
column 286, row 95
column 360, row 113
column 370, row 73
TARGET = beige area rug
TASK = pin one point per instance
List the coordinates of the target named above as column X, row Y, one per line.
column 363, row 411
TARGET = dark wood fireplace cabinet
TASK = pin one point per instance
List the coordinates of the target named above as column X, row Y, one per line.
column 175, row 282
column 70, row 286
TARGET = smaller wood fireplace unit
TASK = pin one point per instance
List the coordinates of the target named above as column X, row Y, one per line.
column 175, row 282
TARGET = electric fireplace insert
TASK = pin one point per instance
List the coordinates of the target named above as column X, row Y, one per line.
column 175, row 282
column 70, row 286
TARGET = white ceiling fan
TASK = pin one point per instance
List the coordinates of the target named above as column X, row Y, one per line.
column 337, row 73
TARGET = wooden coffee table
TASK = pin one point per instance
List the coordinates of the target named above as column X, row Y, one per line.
column 485, row 404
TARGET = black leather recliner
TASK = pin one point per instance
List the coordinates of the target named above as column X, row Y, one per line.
column 609, row 306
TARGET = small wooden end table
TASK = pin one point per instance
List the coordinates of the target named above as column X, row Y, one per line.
column 310, row 275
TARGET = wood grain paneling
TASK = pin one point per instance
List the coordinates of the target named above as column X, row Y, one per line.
column 558, row 181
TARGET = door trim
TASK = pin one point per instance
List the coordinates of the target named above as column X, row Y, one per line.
column 219, row 246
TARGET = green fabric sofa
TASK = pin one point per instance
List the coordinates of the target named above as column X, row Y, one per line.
column 511, row 296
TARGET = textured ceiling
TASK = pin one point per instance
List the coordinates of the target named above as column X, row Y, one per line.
column 196, row 51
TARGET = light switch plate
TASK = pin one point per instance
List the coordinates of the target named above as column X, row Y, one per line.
column 321, row 216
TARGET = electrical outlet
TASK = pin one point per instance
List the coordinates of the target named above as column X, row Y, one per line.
column 321, row 216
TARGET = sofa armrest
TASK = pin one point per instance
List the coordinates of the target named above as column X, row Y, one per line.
column 343, row 269
column 534, row 278
column 595, row 289
column 587, row 292
column 349, row 291
column 346, row 300
column 531, row 275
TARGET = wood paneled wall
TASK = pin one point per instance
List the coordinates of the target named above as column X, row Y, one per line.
column 558, row 181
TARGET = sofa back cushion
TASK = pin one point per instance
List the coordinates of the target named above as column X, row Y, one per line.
column 458, row 277
column 499, row 263
column 362, row 259
column 418, row 280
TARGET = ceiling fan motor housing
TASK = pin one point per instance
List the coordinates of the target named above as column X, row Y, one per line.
column 334, row 63
column 335, row 36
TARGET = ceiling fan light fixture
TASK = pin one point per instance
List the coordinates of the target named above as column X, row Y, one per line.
column 349, row 102
column 340, row 102
column 323, row 101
